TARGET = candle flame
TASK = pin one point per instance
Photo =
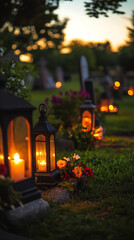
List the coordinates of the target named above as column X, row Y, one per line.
column 42, row 163
column 117, row 84
column 111, row 107
column 16, row 158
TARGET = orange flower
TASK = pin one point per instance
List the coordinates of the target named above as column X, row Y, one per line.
column 77, row 171
column 61, row 163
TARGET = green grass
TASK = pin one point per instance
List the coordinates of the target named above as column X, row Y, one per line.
column 124, row 120
column 103, row 210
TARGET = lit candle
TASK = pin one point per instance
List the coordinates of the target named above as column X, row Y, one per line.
column 42, row 166
column 104, row 108
column 17, row 168
column 1, row 159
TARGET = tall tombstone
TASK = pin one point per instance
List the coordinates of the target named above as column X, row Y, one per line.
column 85, row 80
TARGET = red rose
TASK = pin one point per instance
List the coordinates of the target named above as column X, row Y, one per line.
column 88, row 172
column 3, row 170
column 67, row 176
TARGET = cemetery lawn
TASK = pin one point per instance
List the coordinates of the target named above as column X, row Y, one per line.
column 104, row 209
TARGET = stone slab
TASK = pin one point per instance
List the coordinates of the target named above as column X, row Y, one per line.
column 9, row 236
column 28, row 212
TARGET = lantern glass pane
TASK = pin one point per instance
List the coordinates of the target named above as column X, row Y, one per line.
column 52, row 153
column 41, row 163
column 86, row 119
column 19, row 149
column 1, row 148
column 104, row 105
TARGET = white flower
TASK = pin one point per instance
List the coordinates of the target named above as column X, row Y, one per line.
column 76, row 157
column 67, row 159
column 22, row 82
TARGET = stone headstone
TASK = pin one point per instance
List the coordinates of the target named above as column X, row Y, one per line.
column 84, row 73
column 59, row 74
column 85, row 80
column 45, row 80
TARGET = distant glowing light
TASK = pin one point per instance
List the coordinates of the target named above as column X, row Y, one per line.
column 111, row 107
column 29, row 48
column 65, row 50
column 98, row 133
column 14, row 46
column 58, row 84
column 26, row 58
column 104, row 109
column 35, row 47
column 116, row 85
column 41, row 43
column 131, row 91
column 17, row 31
column 17, row 52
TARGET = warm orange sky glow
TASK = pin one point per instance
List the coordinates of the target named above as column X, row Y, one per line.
column 80, row 26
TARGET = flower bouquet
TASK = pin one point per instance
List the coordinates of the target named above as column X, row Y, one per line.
column 74, row 173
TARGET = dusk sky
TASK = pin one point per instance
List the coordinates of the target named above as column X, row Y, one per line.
column 81, row 26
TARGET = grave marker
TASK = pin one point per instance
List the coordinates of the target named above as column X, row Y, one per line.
column 85, row 80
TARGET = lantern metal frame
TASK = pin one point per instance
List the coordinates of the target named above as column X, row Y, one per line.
column 11, row 107
column 43, row 127
column 88, row 106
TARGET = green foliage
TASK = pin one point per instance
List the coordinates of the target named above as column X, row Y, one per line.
column 8, row 196
column 82, row 139
column 15, row 74
column 24, row 25
column 97, row 8
column 66, row 108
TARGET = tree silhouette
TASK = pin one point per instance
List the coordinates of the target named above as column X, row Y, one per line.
column 131, row 32
column 25, row 22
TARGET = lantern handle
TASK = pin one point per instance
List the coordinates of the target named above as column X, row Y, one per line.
column 42, row 108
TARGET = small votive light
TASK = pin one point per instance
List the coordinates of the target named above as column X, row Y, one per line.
column 58, row 84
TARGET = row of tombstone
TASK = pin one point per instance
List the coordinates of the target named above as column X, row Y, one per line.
column 46, row 80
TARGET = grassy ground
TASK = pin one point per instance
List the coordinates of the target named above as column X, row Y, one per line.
column 105, row 207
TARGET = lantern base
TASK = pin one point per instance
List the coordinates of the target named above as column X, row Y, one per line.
column 28, row 190
column 47, row 179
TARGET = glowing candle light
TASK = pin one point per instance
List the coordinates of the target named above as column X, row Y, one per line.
column 42, row 166
column 58, row 84
column 130, row 92
column 117, row 84
column 17, row 168
column 1, row 159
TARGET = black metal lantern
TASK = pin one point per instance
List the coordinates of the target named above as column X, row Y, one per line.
column 15, row 142
column 88, row 115
column 44, row 151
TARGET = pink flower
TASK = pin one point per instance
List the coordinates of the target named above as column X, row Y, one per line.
column 46, row 100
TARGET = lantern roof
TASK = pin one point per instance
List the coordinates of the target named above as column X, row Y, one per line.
column 9, row 101
column 43, row 126
column 87, row 104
